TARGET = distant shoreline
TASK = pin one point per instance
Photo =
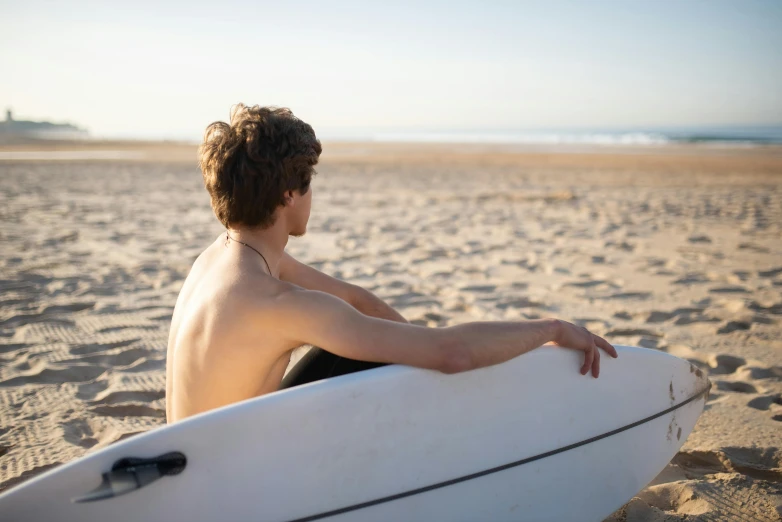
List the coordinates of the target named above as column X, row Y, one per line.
column 643, row 158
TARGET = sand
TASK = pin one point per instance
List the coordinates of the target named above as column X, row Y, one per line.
column 673, row 249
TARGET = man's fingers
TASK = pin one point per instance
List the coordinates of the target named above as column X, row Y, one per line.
column 596, row 364
column 605, row 345
column 588, row 357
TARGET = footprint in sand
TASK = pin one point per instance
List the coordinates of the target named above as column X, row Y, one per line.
column 693, row 279
column 590, row 283
column 656, row 316
column 629, row 295
column 620, row 245
column 765, row 402
column 735, row 386
column 11, row 347
column 729, row 289
column 118, row 397
column 629, row 332
column 521, row 303
column 19, row 320
column 143, row 364
column 770, row 308
column 81, row 349
column 694, row 319
column 112, row 329
column 69, row 308
column 682, row 315
column 755, row 248
column 752, row 462
column 44, row 374
column 119, row 358
column 743, row 497
column 591, row 323
column 723, row 364
column 127, row 410
column 89, row 390
column 733, row 326
column 644, row 342
column 79, row 432
column 759, row 372
column 770, row 273
column 623, row 315
column 480, row 289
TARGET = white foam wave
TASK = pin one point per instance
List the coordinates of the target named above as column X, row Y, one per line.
column 537, row 138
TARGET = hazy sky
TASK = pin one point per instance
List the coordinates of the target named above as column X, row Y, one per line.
column 145, row 69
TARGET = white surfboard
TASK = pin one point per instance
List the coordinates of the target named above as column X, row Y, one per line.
column 530, row 439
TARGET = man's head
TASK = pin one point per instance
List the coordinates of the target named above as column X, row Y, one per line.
column 258, row 166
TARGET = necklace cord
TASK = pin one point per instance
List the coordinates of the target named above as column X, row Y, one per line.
column 229, row 238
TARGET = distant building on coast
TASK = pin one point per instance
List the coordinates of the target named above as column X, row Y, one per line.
column 39, row 129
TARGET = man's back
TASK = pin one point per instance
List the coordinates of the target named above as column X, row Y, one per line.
column 215, row 356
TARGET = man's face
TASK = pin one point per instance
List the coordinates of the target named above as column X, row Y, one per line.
column 300, row 213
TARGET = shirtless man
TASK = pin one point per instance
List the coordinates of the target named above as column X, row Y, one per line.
column 246, row 303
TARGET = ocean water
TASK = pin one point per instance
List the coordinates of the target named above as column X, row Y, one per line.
column 707, row 136
column 69, row 155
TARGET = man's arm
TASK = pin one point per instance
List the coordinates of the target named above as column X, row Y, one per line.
column 359, row 298
column 369, row 304
column 317, row 318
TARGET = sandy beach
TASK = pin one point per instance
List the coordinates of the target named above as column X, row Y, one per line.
column 673, row 248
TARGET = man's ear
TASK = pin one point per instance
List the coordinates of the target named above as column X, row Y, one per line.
column 289, row 198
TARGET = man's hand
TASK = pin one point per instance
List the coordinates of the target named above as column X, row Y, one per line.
column 579, row 338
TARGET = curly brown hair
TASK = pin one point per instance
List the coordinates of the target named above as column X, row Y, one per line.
column 249, row 164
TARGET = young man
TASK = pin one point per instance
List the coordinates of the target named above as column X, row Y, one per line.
column 246, row 304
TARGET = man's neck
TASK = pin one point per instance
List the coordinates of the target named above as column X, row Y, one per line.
column 270, row 242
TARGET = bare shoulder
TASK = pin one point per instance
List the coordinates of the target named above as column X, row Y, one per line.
column 290, row 301
column 260, row 299
column 285, row 306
